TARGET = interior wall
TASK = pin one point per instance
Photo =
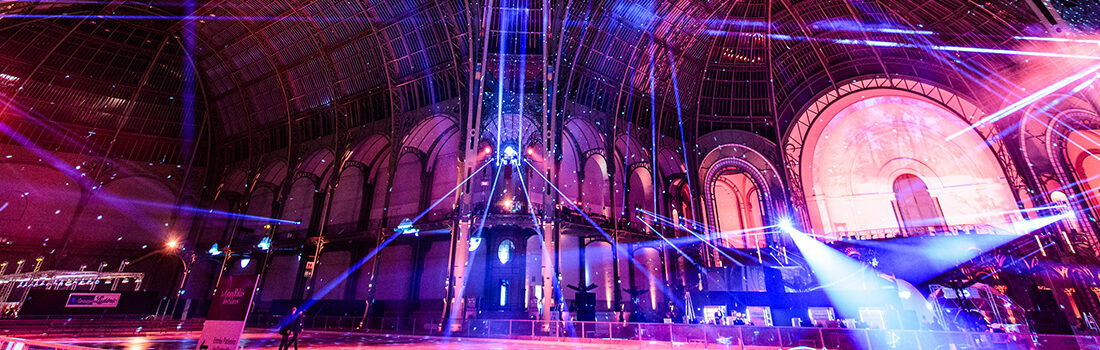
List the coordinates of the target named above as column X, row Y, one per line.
column 1083, row 151
column 855, row 152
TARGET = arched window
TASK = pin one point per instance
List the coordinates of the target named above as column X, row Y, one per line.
column 1081, row 152
column 504, row 251
column 737, row 211
column 855, row 150
column 918, row 212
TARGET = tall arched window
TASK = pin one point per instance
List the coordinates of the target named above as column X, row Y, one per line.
column 918, row 212
column 737, row 211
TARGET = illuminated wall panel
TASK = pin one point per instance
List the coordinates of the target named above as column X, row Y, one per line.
column 866, row 145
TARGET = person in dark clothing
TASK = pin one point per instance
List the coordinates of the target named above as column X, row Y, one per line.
column 291, row 328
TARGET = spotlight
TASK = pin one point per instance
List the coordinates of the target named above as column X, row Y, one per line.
column 244, row 262
column 510, row 156
column 475, row 242
column 172, row 244
column 786, row 225
column 265, row 243
column 406, row 227
column 214, row 251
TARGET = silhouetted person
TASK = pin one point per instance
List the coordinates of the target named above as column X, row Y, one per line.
column 291, row 328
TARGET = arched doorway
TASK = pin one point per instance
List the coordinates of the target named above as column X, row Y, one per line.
column 505, row 272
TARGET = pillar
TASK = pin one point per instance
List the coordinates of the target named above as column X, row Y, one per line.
column 549, row 270
column 456, row 284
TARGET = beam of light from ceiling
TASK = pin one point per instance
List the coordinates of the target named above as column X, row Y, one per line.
column 652, row 127
column 847, row 25
column 460, row 290
column 500, row 91
column 1067, row 95
column 1060, row 40
column 668, row 221
column 522, row 39
column 336, row 281
column 680, row 118
column 1026, row 101
column 88, row 182
column 1008, row 86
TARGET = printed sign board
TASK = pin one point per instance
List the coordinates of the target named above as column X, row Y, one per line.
column 93, row 300
column 228, row 312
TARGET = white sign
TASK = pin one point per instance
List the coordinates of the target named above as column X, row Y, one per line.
column 93, row 300
column 228, row 311
column 220, row 335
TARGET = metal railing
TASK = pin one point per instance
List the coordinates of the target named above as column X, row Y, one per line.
column 95, row 325
column 895, row 232
column 16, row 343
column 695, row 335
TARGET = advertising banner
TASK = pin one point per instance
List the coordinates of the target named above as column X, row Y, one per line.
column 228, row 312
column 93, row 299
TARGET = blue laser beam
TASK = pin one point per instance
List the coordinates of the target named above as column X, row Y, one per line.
column 440, row 200
column 344, row 276
column 614, row 244
column 673, row 245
